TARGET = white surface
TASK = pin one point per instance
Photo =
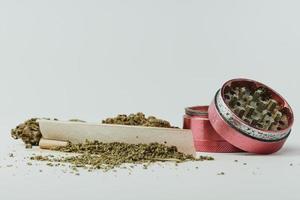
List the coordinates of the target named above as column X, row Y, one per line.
column 94, row 59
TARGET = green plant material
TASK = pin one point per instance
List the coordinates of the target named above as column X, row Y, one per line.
column 138, row 119
column 29, row 132
column 106, row 156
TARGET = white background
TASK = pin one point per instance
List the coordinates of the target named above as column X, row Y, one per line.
column 95, row 59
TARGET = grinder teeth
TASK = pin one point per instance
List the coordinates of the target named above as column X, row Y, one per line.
column 256, row 108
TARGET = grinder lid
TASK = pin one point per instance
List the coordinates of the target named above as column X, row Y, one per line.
column 251, row 116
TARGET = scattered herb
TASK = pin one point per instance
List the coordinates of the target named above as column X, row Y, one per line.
column 106, row 156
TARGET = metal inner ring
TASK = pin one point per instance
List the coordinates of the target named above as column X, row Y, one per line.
column 245, row 129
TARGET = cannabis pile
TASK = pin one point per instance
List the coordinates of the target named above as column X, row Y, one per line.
column 138, row 119
column 106, row 156
column 29, row 132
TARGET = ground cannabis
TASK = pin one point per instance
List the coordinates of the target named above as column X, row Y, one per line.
column 138, row 119
column 106, row 156
column 29, row 132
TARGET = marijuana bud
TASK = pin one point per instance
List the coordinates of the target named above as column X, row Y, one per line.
column 29, row 132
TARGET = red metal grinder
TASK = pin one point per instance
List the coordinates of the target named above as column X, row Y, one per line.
column 205, row 137
column 251, row 116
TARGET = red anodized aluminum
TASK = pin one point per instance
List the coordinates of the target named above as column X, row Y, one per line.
column 241, row 134
column 205, row 137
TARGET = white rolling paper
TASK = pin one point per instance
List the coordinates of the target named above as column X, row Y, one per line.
column 78, row 132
